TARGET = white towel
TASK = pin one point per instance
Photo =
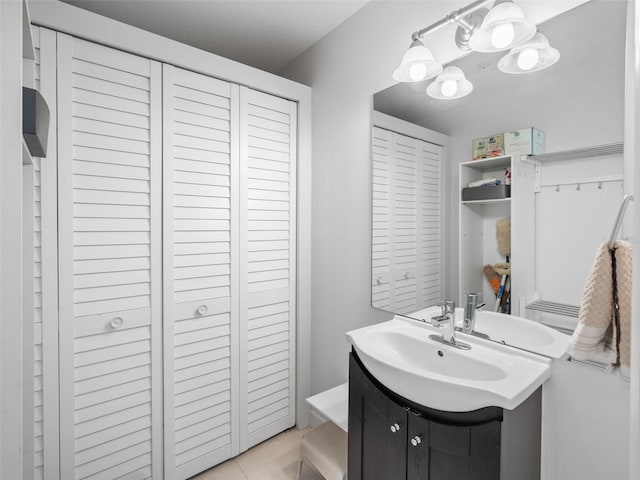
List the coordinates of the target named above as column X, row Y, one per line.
column 596, row 335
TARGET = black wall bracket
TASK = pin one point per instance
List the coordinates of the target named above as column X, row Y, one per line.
column 35, row 122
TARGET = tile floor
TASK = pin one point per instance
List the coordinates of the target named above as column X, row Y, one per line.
column 274, row 459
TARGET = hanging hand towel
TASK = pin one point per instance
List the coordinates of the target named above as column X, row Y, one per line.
column 593, row 337
column 596, row 336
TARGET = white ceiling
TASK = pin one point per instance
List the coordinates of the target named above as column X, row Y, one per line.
column 266, row 34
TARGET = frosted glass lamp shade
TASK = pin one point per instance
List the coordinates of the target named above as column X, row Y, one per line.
column 503, row 28
column 417, row 64
column 531, row 56
column 449, row 85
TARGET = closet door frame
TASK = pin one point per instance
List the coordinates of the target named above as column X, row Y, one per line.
column 81, row 23
column 11, row 172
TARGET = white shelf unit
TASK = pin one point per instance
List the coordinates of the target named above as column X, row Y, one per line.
column 478, row 245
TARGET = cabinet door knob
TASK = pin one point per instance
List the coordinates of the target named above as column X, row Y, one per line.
column 116, row 322
column 395, row 428
column 202, row 309
column 417, row 440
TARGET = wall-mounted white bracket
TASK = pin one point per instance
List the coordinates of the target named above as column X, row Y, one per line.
column 537, row 173
column 529, row 167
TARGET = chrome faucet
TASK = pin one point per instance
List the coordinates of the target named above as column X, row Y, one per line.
column 446, row 321
column 470, row 309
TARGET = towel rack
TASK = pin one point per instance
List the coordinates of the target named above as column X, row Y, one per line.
column 554, row 307
column 580, row 153
column 618, row 224
column 590, row 363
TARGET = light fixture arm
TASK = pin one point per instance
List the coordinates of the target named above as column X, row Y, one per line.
column 454, row 17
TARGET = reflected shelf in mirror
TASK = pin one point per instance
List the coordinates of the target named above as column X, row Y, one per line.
column 484, row 202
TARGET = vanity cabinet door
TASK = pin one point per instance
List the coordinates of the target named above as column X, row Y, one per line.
column 439, row 451
column 418, row 447
column 377, row 431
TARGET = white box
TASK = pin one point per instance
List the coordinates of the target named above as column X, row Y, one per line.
column 528, row 141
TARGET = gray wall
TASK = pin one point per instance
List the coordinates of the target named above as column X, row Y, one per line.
column 345, row 69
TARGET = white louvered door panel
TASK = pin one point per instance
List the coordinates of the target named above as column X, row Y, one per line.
column 46, row 441
column 267, row 265
column 380, row 251
column 37, row 332
column 109, row 174
column 200, row 271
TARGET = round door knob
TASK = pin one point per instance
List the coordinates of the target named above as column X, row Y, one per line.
column 395, row 428
column 202, row 309
column 417, row 440
column 116, row 322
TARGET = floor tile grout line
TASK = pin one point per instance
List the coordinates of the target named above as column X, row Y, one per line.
column 246, row 476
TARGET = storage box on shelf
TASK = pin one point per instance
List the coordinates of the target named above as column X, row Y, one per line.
column 477, row 226
column 528, row 141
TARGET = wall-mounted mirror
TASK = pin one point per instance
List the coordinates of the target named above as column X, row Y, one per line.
column 565, row 206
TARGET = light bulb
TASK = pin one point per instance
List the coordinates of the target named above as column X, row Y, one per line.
column 449, row 88
column 502, row 35
column 417, row 72
column 528, row 58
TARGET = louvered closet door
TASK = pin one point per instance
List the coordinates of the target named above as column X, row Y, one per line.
column 37, row 332
column 200, row 287
column 267, row 265
column 46, row 272
column 109, row 175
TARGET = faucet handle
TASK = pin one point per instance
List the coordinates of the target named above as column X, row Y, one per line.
column 439, row 320
column 448, row 306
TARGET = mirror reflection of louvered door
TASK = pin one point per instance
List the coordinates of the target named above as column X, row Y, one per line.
column 406, row 223
column 200, row 269
column 109, row 174
column 267, row 265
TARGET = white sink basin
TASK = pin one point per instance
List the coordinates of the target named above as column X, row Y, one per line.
column 510, row 330
column 520, row 332
column 401, row 356
column 409, row 349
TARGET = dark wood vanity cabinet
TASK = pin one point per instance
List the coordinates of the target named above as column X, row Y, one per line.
column 379, row 447
column 392, row 438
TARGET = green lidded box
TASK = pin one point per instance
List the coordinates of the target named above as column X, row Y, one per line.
column 528, row 141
